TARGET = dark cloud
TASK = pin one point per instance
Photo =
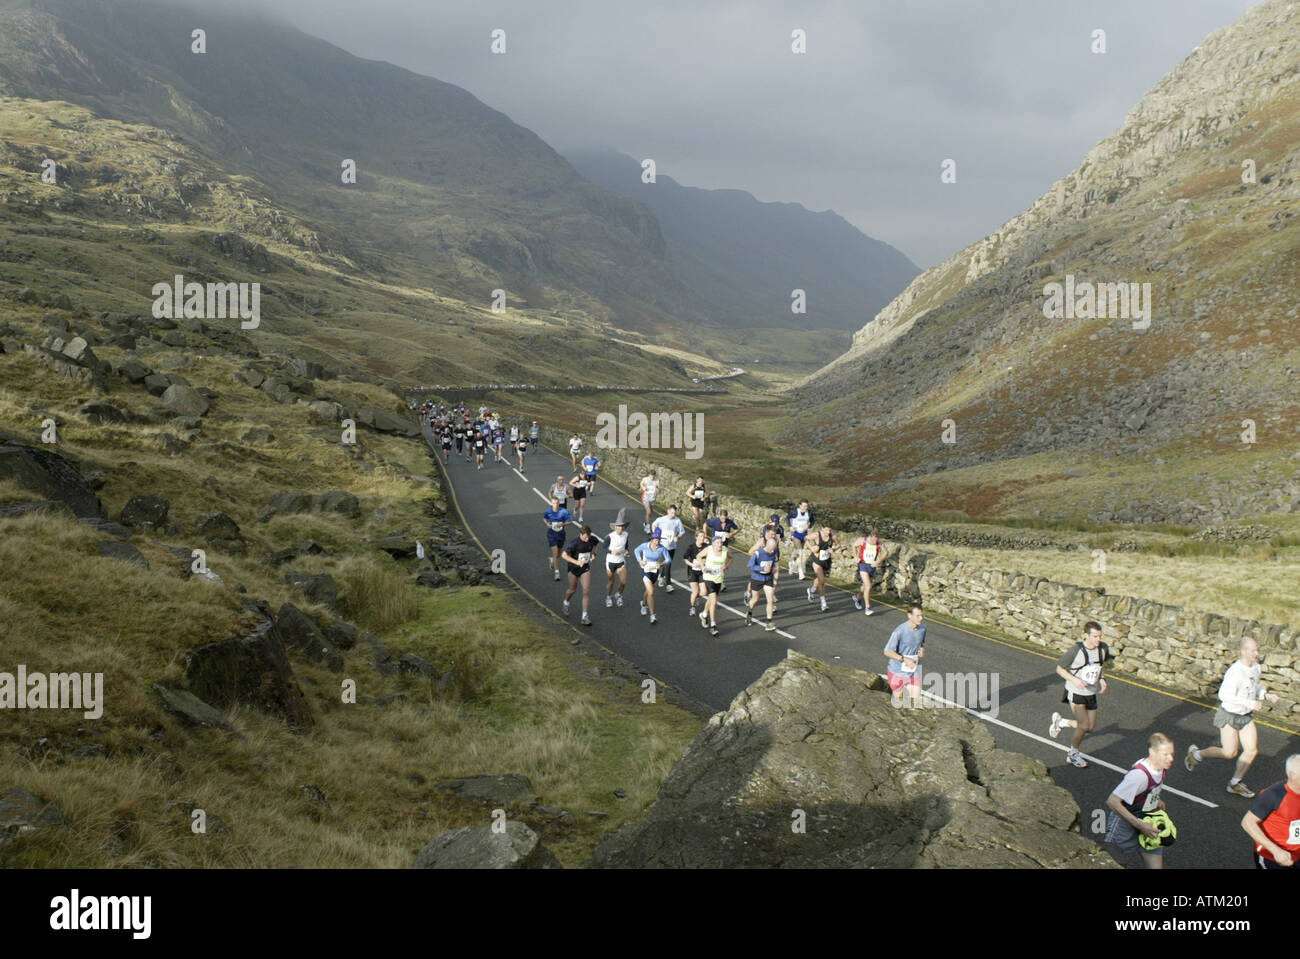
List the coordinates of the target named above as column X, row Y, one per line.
column 860, row 124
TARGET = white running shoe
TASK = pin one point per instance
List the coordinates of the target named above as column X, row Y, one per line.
column 801, row 573
column 1190, row 760
column 823, row 604
column 769, row 626
column 857, row 603
column 619, row 600
column 791, row 567
column 643, row 609
column 1054, row 729
column 609, row 602
column 566, row 607
column 668, row 588
column 557, row 575
column 870, row 610
column 704, row 617
column 1076, row 759
column 652, row 619
column 586, row 620
column 809, row 593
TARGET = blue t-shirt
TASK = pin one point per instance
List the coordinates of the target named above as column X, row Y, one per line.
column 557, row 518
column 589, row 463
column 716, row 525
column 905, row 641
column 761, row 564
column 651, row 559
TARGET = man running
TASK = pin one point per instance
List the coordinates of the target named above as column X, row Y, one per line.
column 1137, row 796
column 579, row 484
column 905, row 650
column 498, row 440
column 1274, row 821
column 670, row 529
column 773, row 528
column 591, row 463
column 480, row 448
column 575, row 447
column 871, row 555
column 651, row 556
column 699, row 500
column 649, row 491
column 694, row 571
column 714, row 562
column 762, row 568
column 535, row 435
column 824, row 545
column 1081, row 668
column 722, row 527
column 801, row 520
column 556, row 519
column 616, row 559
column 458, row 434
column 579, row 556
column 1239, row 696
column 560, row 491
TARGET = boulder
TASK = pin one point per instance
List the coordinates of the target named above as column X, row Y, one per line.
column 185, row 400
column 149, row 511
column 431, row 578
column 191, row 709
column 337, row 501
column 287, row 502
column 299, row 631
column 480, row 847
column 100, row 412
column 157, row 383
column 22, row 813
column 217, row 525
column 415, row 665
column 316, row 587
column 494, row 790
column 251, row 671
column 879, row 787
column 384, row 422
column 398, row 547
column 79, row 351
column 48, row 475
column 125, row 552
column 341, row 635
column 133, row 371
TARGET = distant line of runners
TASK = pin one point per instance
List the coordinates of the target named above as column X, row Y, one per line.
column 1136, row 816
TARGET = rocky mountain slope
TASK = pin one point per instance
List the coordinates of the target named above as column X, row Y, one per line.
column 1077, row 415
column 741, row 257
column 877, row 787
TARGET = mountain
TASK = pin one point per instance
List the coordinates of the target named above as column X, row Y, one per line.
column 1191, row 417
column 742, row 258
column 449, row 193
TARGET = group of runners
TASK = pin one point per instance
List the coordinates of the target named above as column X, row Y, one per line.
column 475, row 436
column 1136, row 816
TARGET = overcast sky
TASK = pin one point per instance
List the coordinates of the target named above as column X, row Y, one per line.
column 860, row 124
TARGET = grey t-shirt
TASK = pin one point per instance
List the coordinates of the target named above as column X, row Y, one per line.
column 1086, row 665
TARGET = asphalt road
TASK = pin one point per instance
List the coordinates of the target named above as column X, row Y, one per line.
column 502, row 509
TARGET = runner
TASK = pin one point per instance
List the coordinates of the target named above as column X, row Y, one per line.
column 560, row 491
column 824, row 545
column 579, row 556
column 651, row 556
column 801, row 520
column 480, row 448
column 535, row 435
column 579, row 484
column 905, row 650
column 556, row 518
column 498, row 439
column 694, row 572
column 1239, row 696
column 871, row 555
column 616, row 558
column 521, row 447
column 459, row 435
column 1274, row 821
column 1138, row 796
column 699, row 500
column 763, row 564
column 649, row 491
column 591, row 463
column 670, row 529
column 714, row 561
column 575, row 447
column 446, row 443
column 722, row 527
column 1081, row 668
column 773, row 528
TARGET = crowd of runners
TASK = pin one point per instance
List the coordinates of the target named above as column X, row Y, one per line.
column 798, row 546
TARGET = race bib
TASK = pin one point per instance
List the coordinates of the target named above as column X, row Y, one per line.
column 557, row 526
column 766, row 567
column 1153, row 800
column 650, row 565
column 1293, row 833
column 1090, row 673
column 904, row 667
column 823, row 554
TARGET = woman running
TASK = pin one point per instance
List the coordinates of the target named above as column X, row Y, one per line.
column 651, row 556
column 616, row 560
column 714, row 562
column 694, row 572
column 579, row 484
column 521, row 447
column 649, row 491
column 575, row 447
column 699, row 500
column 823, row 544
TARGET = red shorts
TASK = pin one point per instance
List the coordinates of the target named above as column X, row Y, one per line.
column 897, row 682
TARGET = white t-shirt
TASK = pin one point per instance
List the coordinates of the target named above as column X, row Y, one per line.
column 1135, row 780
column 650, row 489
column 1240, row 687
column 616, row 548
column 575, row 445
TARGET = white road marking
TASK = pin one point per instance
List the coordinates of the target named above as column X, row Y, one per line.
column 1055, row 745
column 732, row 609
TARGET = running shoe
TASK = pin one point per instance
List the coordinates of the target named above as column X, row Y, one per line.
column 1240, row 789
column 619, row 600
column 809, row 593
column 557, row 575
column 668, row 588
column 769, row 626
column 713, row 629
column 643, row 609
column 870, row 611
column 586, row 620
column 609, row 602
column 1076, row 759
column 801, row 573
column 652, row 619
column 824, row 606
column 1190, row 761
column 1055, row 728
column 857, row 603
column 704, row 617
column 566, row 607
column 749, row 618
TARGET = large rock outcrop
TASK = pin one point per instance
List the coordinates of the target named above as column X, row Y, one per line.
column 876, row 787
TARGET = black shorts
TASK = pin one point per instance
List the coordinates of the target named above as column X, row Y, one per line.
column 580, row 493
column 757, row 584
column 446, row 444
column 713, row 587
column 614, row 567
column 652, row 578
column 1078, row 699
column 694, row 576
column 825, row 564
column 577, row 571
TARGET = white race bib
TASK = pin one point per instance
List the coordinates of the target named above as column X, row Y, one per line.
column 1293, row 833
column 1090, row 673
column 557, row 526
